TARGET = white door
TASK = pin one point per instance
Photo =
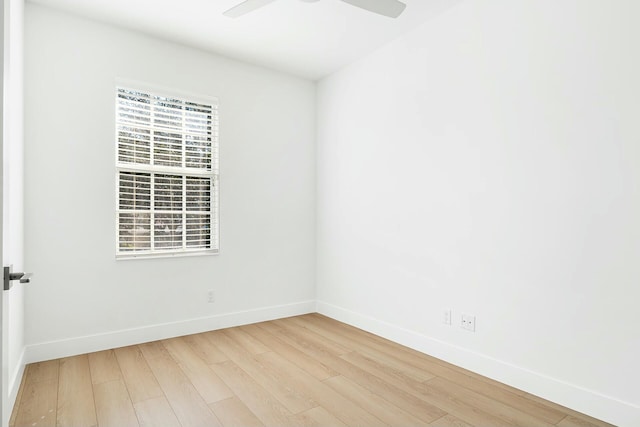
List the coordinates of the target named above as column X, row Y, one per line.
column 12, row 215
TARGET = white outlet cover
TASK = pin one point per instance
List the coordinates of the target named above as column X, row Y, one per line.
column 446, row 316
column 468, row 322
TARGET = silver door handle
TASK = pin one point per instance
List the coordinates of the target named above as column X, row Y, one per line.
column 10, row 276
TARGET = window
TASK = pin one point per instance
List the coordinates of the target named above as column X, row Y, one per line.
column 167, row 174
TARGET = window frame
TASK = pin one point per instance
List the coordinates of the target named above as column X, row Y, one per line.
column 185, row 172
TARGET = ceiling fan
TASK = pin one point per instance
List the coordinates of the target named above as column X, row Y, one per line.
column 390, row 8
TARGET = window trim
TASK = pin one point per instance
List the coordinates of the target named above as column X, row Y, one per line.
column 213, row 173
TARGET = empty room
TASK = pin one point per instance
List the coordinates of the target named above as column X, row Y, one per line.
column 320, row 213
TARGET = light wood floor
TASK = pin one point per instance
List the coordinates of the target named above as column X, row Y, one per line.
column 301, row 371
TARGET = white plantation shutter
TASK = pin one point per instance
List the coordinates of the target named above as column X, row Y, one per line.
column 167, row 165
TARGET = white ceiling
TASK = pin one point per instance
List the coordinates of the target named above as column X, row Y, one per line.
column 310, row 40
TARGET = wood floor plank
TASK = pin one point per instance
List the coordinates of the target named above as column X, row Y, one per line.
column 113, row 405
column 261, row 402
column 205, row 349
column 75, row 393
column 404, row 353
column 499, row 394
column 418, row 373
column 538, row 410
column 343, row 407
column 269, row 379
column 462, row 409
column 567, row 411
column 156, row 412
column 338, row 346
column 208, row 384
column 189, row 407
column 165, row 369
column 104, row 367
column 232, row 412
column 571, row 421
column 449, row 421
column 425, row 409
column 383, row 371
column 43, row 371
column 246, row 341
column 317, row 340
column 317, row 417
column 477, row 400
column 16, row 405
column 299, row 358
column 422, row 409
column 541, row 412
column 38, row 405
column 368, row 340
column 372, row 403
column 412, row 366
column 140, row 381
column 424, row 391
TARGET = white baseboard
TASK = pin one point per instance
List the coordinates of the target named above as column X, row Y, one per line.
column 16, row 379
column 571, row 396
column 87, row 344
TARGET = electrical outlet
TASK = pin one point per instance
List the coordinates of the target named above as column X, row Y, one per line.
column 468, row 322
column 446, row 316
column 211, row 298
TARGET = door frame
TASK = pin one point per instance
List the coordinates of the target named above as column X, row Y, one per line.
column 4, row 339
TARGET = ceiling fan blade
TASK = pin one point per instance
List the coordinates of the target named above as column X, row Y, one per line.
column 246, row 7
column 390, row 8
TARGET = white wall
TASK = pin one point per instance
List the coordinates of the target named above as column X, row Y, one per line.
column 488, row 162
column 12, row 191
column 266, row 266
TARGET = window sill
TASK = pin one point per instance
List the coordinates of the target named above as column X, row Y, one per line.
column 126, row 257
